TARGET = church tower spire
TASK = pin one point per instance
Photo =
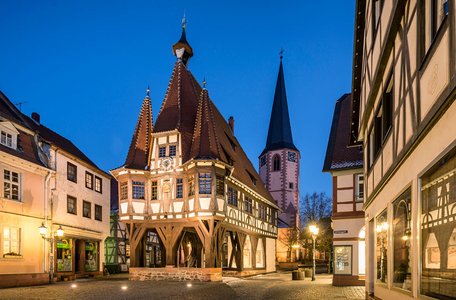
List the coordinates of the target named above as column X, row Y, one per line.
column 279, row 134
column 279, row 161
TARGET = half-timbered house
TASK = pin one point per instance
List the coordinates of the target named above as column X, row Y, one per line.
column 404, row 116
column 346, row 167
column 188, row 193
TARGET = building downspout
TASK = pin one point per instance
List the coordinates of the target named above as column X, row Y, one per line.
column 45, row 216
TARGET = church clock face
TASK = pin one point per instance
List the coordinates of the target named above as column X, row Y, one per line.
column 166, row 163
column 292, row 156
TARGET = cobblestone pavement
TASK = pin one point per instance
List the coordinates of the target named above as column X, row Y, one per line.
column 270, row 286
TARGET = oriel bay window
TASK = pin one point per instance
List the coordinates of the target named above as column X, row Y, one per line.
column 154, row 191
column 138, row 190
column 401, row 241
column 205, row 180
column 11, row 185
column 123, row 190
column 179, row 188
column 220, row 185
column 438, row 229
column 191, row 185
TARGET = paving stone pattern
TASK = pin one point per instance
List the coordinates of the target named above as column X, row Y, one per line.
column 270, row 286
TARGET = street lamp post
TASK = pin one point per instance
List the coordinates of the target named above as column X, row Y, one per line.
column 59, row 233
column 314, row 231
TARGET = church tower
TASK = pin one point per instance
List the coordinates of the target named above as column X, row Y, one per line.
column 279, row 161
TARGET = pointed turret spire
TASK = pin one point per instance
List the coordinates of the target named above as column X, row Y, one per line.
column 138, row 154
column 279, row 134
column 182, row 49
column 205, row 142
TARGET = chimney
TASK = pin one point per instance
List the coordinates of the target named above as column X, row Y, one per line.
column 231, row 123
column 36, row 117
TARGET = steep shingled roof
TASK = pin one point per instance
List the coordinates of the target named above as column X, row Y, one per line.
column 338, row 155
column 178, row 110
column 138, row 153
column 205, row 142
column 27, row 144
column 279, row 133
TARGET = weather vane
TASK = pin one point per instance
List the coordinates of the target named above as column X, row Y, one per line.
column 204, row 82
column 148, row 91
column 281, row 53
column 184, row 22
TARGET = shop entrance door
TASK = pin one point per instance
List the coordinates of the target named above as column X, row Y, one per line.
column 79, row 256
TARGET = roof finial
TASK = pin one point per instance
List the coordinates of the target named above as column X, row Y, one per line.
column 281, row 53
column 148, row 92
column 204, row 83
column 184, row 22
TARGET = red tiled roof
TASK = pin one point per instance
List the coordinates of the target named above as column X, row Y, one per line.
column 138, row 154
column 338, row 155
column 204, row 132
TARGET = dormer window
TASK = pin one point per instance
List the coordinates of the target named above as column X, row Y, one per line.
column 6, row 139
column 8, row 135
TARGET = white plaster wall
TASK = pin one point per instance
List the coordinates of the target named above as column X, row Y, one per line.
column 344, row 181
column 353, row 226
column 77, row 225
column 270, row 255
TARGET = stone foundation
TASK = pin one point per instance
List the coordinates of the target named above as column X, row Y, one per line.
column 176, row 274
column 244, row 273
column 15, row 280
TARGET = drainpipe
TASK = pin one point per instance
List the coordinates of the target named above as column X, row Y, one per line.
column 46, row 193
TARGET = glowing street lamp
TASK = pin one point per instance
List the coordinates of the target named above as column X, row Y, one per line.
column 59, row 233
column 314, row 231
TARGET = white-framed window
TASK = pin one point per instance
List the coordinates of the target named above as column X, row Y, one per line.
column 6, row 139
column 98, row 185
column 138, row 190
column 11, row 185
column 359, row 186
column 11, row 240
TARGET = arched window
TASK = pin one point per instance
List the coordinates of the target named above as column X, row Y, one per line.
column 276, row 163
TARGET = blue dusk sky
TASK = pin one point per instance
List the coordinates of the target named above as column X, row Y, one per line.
column 84, row 66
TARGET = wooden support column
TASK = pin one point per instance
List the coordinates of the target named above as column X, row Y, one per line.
column 169, row 235
column 136, row 234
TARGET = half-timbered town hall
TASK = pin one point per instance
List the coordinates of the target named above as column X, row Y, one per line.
column 188, row 193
